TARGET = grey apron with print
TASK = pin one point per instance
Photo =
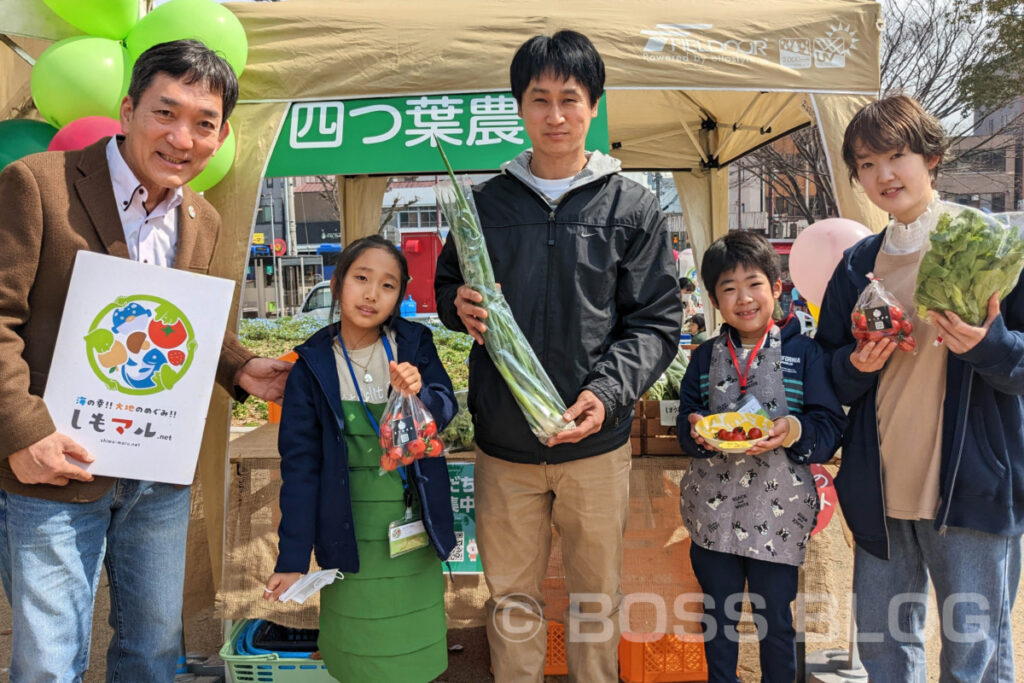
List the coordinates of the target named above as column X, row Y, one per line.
column 761, row 506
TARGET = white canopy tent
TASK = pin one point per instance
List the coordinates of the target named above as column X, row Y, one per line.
column 691, row 87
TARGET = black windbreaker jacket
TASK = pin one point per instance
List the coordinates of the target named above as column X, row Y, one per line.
column 592, row 285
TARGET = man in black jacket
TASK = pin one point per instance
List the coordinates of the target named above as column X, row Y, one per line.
column 586, row 267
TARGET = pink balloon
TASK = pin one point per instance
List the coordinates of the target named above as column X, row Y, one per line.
column 82, row 132
column 818, row 250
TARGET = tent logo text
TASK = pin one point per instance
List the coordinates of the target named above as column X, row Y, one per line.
column 824, row 52
column 684, row 43
column 677, row 42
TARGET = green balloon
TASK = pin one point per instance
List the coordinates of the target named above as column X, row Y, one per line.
column 80, row 76
column 204, row 20
column 218, row 166
column 21, row 137
column 102, row 18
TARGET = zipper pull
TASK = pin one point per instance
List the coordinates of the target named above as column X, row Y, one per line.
column 551, row 228
column 451, row 574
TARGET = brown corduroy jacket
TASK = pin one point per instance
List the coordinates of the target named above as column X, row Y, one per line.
column 53, row 205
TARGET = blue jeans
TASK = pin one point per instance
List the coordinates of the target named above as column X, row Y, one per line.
column 771, row 588
column 50, row 555
column 975, row 576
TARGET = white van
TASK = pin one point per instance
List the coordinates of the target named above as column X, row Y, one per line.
column 317, row 303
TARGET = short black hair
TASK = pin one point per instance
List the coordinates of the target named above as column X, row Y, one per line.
column 687, row 284
column 738, row 247
column 698, row 320
column 190, row 61
column 895, row 122
column 353, row 251
column 563, row 55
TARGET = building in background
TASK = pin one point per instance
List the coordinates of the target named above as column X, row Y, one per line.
column 984, row 173
column 285, row 261
column 297, row 232
column 984, row 169
column 412, row 220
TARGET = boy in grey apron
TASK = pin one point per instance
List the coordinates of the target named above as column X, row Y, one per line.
column 750, row 514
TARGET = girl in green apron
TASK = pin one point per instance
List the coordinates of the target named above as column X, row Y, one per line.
column 385, row 620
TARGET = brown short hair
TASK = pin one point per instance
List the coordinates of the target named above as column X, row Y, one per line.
column 894, row 122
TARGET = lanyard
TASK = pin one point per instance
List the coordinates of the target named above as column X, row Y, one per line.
column 753, row 353
column 355, row 382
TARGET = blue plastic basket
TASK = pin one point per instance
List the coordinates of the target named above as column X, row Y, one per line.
column 269, row 668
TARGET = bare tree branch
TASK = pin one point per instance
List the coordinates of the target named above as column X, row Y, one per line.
column 790, row 167
column 327, row 189
column 929, row 48
column 388, row 213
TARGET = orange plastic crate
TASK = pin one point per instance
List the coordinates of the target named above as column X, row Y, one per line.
column 666, row 660
column 555, row 664
column 274, row 409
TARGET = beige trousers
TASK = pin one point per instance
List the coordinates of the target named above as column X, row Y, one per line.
column 516, row 504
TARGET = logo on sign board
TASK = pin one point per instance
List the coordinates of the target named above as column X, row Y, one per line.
column 140, row 345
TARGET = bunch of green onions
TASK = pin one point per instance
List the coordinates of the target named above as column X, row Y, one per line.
column 508, row 348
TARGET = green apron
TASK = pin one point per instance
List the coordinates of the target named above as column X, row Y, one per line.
column 385, row 622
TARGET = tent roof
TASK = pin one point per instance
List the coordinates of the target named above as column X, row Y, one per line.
column 307, row 49
column 691, row 84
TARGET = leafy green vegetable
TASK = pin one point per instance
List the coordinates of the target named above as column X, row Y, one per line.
column 506, row 344
column 971, row 256
column 453, row 349
column 675, row 371
column 458, row 435
column 666, row 388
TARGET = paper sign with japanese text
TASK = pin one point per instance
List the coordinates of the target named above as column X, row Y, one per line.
column 668, row 411
column 828, row 500
column 465, row 558
column 134, row 365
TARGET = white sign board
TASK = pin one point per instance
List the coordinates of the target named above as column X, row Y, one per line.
column 669, row 412
column 134, row 365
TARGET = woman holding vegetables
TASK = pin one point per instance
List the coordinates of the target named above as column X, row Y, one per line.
column 932, row 476
column 586, row 268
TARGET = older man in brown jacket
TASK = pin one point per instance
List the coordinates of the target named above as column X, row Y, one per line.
column 125, row 197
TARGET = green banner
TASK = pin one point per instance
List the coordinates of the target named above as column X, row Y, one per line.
column 480, row 131
column 465, row 559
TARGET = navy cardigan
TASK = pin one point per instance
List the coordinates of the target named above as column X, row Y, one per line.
column 316, row 510
column 809, row 396
column 981, row 480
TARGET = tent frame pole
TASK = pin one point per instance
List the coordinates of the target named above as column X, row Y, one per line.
column 6, row 40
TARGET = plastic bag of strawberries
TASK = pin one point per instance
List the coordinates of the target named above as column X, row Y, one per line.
column 879, row 314
column 408, row 432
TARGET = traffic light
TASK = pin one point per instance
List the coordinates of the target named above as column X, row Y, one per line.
column 268, row 269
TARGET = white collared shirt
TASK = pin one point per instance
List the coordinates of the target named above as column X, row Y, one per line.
column 906, row 238
column 152, row 237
